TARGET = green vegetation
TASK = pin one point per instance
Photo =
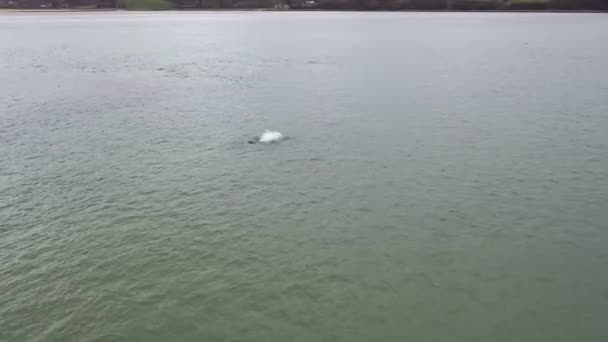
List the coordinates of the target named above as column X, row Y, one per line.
column 153, row 5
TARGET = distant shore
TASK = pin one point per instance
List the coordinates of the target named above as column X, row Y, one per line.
column 99, row 10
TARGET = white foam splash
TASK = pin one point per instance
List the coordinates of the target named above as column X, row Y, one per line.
column 271, row 136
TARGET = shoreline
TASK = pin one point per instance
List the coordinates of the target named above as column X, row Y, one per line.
column 94, row 10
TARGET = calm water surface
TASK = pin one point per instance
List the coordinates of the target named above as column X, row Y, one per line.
column 446, row 177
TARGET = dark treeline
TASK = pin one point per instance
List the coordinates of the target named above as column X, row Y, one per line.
column 601, row 5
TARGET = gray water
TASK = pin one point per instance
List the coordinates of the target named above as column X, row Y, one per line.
column 445, row 177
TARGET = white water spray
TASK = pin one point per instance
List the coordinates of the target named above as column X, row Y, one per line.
column 271, row 136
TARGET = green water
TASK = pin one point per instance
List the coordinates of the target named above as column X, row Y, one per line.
column 445, row 177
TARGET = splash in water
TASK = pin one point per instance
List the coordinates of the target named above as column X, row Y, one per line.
column 271, row 136
column 268, row 137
